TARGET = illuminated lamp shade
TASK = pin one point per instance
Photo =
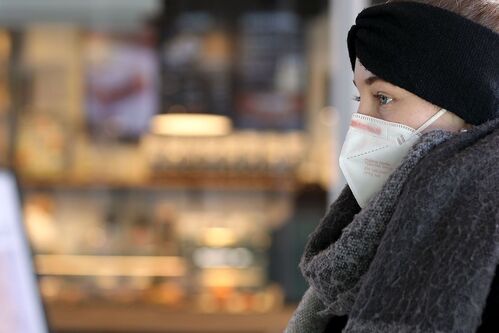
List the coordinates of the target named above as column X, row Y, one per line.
column 191, row 124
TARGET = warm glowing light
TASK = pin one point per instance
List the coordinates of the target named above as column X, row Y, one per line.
column 230, row 277
column 191, row 124
column 80, row 265
column 219, row 237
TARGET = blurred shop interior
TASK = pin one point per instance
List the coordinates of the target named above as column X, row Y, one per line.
column 173, row 156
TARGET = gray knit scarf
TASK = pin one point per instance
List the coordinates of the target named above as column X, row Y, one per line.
column 405, row 253
column 335, row 271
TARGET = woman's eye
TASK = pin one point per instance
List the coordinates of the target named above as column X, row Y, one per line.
column 383, row 99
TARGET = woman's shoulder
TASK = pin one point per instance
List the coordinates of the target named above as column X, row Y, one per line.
column 473, row 154
column 460, row 172
column 477, row 145
column 477, row 153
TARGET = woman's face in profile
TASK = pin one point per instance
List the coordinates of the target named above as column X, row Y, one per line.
column 381, row 99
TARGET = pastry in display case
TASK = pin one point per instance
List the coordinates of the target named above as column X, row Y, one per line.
column 104, row 245
column 227, row 252
column 252, row 158
column 155, row 246
column 42, row 146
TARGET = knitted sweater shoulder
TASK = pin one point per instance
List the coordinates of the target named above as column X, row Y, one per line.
column 456, row 187
column 457, row 182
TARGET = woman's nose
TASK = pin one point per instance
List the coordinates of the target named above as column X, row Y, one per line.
column 368, row 109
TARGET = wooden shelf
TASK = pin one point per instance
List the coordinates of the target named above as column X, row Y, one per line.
column 90, row 318
column 171, row 182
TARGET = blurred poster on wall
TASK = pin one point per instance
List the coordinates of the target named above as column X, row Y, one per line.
column 196, row 66
column 270, row 71
column 121, row 74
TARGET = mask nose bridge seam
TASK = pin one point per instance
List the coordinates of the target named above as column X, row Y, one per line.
column 382, row 122
column 368, row 152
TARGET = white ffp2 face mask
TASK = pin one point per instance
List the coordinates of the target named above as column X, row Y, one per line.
column 373, row 149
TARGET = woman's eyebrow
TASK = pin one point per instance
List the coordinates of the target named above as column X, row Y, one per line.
column 370, row 80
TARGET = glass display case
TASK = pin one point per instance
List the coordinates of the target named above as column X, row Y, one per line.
column 173, row 224
column 155, row 245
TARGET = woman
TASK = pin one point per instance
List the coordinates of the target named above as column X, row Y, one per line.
column 412, row 242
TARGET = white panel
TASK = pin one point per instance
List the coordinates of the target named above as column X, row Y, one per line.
column 342, row 17
column 20, row 306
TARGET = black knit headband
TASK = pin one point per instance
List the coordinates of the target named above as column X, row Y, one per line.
column 442, row 57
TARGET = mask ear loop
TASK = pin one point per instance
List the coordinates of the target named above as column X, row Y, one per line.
column 426, row 124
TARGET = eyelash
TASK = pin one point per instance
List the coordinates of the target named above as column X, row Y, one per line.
column 378, row 95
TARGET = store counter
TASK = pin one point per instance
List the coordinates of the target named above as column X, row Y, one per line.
column 90, row 318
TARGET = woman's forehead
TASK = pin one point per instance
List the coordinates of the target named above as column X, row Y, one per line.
column 361, row 73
